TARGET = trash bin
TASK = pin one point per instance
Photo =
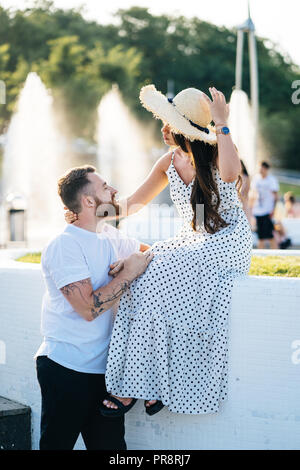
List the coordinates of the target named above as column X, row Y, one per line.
column 16, row 213
column 15, row 425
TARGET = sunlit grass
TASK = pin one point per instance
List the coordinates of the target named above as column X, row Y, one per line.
column 30, row 258
column 284, row 266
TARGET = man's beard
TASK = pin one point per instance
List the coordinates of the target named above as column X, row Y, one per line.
column 109, row 210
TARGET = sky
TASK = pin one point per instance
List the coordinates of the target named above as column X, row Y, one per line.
column 274, row 19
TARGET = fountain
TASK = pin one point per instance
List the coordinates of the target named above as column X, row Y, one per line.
column 122, row 156
column 32, row 156
column 35, row 156
column 126, row 153
column 242, row 128
column 243, row 119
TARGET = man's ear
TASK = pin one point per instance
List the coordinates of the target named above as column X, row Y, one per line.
column 87, row 201
column 90, row 201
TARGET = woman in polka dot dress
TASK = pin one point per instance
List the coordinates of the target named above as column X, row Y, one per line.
column 169, row 343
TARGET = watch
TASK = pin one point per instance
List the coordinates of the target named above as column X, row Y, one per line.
column 223, row 130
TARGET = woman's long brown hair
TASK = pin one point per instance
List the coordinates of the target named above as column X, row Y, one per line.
column 204, row 157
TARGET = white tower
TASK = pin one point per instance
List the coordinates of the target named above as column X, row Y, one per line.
column 248, row 28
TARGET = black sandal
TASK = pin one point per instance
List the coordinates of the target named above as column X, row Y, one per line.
column 120, row 411
column 155, row 408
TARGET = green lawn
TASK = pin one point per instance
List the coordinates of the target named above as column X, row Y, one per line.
column 284, row 188
column 285, row 266
column 30, row 258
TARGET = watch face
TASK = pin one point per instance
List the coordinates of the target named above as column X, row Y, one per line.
column 225, row 130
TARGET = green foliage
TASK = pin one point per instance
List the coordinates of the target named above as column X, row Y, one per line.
column 281, row 131
column 80, row 60
column 58, row 45
column 80, row 76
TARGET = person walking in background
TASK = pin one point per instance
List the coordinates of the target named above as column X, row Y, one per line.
column 265, row 188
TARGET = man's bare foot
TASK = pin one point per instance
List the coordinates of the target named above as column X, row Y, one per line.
column 150, row 402
column 110, row 404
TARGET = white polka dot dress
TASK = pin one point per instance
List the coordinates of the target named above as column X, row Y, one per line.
column 170, row 335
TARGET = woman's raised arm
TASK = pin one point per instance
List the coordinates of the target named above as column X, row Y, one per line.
column 228, row 160
column 154, row 184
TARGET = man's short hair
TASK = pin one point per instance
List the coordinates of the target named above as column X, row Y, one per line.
column 72, row 184
column 265, row 165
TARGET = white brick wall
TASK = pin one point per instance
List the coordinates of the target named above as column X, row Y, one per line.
column 263, row 409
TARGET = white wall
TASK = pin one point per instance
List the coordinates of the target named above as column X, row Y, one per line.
column 292, row 227
column 263, row 409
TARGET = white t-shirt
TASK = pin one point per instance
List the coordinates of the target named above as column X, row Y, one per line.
column 74, row 255
column 264, row 203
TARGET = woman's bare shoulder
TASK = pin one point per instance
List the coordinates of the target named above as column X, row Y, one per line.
column 165, row 160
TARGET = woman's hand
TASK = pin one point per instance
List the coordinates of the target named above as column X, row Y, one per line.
column 116, row 267
column 218, row 106
column 70, row 216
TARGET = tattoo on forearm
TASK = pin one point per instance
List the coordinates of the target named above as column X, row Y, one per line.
column 71, row 288
column 99, row 300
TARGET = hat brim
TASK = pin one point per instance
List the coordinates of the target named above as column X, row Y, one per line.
column 157, row 103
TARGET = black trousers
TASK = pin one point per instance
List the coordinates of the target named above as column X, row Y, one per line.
column 70, row 406
column 264, row 226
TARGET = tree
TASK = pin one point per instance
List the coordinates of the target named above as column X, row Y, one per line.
column 79, row 77
column 80, row 60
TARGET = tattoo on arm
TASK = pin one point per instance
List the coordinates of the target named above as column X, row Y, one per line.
column 71, row 288
column 99, row 300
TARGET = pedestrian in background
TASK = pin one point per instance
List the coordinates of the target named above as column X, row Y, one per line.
column 266, row 187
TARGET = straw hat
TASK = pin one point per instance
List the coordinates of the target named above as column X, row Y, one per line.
column 187, row 113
